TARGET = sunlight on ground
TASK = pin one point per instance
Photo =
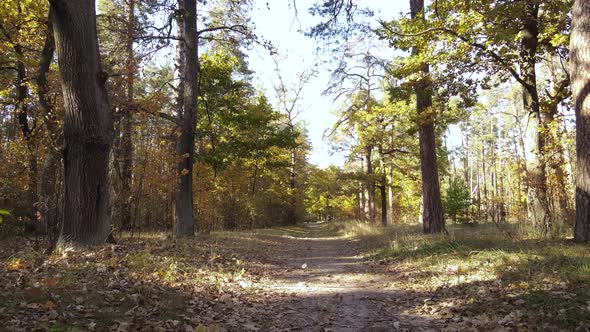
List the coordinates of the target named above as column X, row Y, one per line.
column 473, row 278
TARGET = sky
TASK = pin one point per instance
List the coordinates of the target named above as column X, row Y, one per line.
column 276, row 21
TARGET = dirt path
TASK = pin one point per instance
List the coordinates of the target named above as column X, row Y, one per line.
column 318, row 283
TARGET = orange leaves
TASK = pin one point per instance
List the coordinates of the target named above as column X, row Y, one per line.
column 49, row 282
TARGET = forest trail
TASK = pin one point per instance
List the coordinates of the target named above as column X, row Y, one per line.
column 295, row 278
column 325, row 285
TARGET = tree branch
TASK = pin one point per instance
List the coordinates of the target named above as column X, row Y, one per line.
column 495, row 56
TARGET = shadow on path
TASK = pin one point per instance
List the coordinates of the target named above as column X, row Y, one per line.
column 326, row 285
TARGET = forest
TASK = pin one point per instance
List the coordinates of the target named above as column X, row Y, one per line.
column 162, row 167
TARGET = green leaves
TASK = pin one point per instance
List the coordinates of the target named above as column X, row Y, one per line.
column 3, row 213
column 457, row 198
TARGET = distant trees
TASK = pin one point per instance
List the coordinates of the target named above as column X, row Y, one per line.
column 195, row 137
column 207, row 124
column 525, row 42
column 457, row 199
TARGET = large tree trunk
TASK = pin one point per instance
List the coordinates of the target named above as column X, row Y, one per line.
column 87, row 125
column 538, row 207
column 188, row 69
column 580, row 78
column 433, row 218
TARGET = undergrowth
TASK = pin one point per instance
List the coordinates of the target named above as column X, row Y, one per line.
column 539, row 284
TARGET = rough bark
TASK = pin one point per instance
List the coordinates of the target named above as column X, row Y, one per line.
column 87, row 124
column 433, row 219
column 538, row 207
column 188, row 69
column 580, row 78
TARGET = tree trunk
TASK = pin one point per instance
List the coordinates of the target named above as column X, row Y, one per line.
column 390, row 193
column 188, row 69
column 538, row 207
column 292, row 216
column 126, row 147
column 433, row 218
column 87, row 125
column 485, row 182
column 370, row 185
column 48, row 207
column 364, row 193
column 292, row 167
column 580, row 78
column 383, row 188
column 557, row 166
column 26, row 128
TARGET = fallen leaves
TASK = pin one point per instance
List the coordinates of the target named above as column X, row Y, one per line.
column 226, row 282
column 15, row 264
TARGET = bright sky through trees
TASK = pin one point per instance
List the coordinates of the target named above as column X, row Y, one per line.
column 277, row 21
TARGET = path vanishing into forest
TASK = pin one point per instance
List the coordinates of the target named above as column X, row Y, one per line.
column 325, row 285
column 297, row 278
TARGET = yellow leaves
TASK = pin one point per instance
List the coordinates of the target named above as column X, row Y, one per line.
column 559, row 39
column 184, row 172
column 23, row 21
column 15, row 264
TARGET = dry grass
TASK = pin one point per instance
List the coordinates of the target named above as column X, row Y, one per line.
column 542, row 283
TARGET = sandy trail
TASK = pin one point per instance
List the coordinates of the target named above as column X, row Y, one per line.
column 324, row 285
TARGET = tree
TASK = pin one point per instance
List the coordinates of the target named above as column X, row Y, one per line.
column 187, row 75
column 289, row 100
column 49, row 196
column 580, row 77
column 119, row 23
column 87, row 124
column 433, row 218
column 188, row 71
column 20, row 36
column 482, row 36
column 457, row 199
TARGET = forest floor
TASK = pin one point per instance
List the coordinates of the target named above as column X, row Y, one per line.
column 315, row 277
